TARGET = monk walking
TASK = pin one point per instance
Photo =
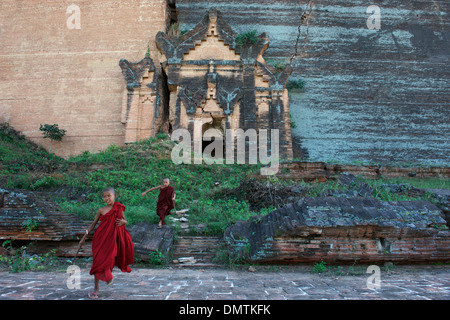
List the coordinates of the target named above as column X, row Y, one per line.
column 166, row 200
column 112, row 244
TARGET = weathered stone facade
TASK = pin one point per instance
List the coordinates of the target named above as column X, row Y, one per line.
column 53, row 74
column 375, row 95
column 344, row 230
column 142, row 108
column 214, row 83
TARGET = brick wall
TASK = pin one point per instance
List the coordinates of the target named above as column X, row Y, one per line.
column 53, row 74
column 320, row 171
column 343, row 230
column 378, row 95
column 337, row 249
column 374, row 95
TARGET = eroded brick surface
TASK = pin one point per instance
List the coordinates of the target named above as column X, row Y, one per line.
column 341, row 229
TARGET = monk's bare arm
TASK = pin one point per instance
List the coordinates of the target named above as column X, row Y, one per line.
column 94, row 223
column 151, row 189
column 91, row 227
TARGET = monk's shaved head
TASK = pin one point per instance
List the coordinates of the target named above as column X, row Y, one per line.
column 112, row 190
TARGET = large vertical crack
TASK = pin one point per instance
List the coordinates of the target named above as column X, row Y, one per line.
column 165, row 100
column 172, row 20
column 172, row 14
column 304, row 20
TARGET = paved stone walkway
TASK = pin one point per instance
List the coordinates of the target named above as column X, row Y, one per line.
column 406, row 282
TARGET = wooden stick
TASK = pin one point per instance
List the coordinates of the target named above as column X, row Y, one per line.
column 76, row 255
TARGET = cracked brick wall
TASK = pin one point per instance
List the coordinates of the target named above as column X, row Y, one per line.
column 343, row 230
column 375, row 95
column 53, row 74
column 29, row 217
column 371, row 95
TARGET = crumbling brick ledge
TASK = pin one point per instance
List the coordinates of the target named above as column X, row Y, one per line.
column 343, row 230
column 321, row 171
column 27, row 217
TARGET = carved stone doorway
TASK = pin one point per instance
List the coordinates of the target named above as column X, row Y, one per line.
column 214, row 132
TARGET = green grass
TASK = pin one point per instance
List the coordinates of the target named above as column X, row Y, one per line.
column 422, row 183
column 134, row 169
column 19, row 155
column 78, row 182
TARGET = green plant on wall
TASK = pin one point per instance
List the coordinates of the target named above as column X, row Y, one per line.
column 147, row 53
column 30, row 225
column 247, row 39
column 279, row 66
column 293, row 124
column 295, row 84
column 52, row 132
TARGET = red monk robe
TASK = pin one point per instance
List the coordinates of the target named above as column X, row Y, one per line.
column 165, row 202
column 111, row 245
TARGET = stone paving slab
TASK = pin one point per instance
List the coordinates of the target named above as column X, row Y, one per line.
column 406, row 283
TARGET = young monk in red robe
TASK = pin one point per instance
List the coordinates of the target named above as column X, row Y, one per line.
column 166, row 200
column 112, row 244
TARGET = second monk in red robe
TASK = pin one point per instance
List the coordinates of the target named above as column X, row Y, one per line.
column 166, row 200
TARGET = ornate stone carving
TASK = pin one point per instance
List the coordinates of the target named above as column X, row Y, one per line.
column 141, row 107
column 211, row 76
column 212, row 79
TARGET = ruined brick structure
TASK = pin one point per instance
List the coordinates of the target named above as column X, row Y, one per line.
column 321, row 172
column 343, row 230
column 343, row 226
column 142, row 109
column 213, row 82
column 53, row 74
column 370, row 95
column 31, row 218
column 27, row 216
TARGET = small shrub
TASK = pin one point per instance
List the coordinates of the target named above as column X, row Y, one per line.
column 45, row 183
column 247, row 39
column 279, row 66
column 21, row 261
column 52, row 132
column 162, row 136
column 295, row 84
column 22, row 181
column 156, row 258
column 30, row 224
column 293, row 124
column 319, row 267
